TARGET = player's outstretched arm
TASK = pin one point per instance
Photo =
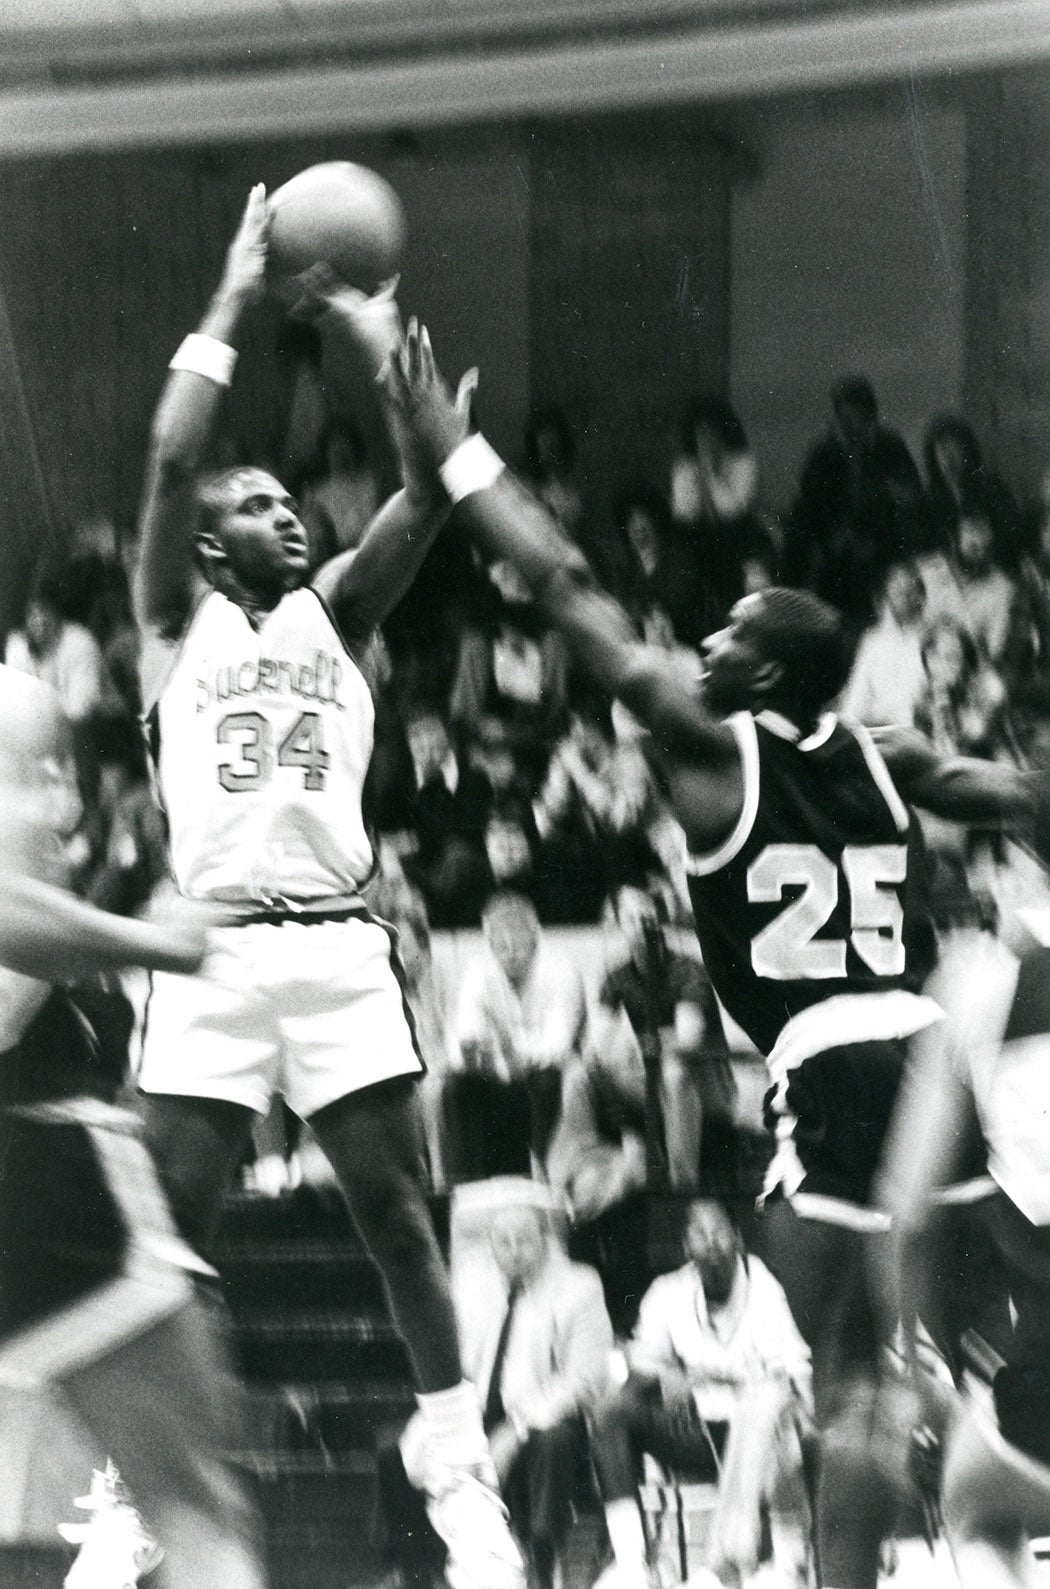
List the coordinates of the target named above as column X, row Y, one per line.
column 960, row 788
column 364, row 585
column 49, row 934
column 184, row 427
column 507, row 521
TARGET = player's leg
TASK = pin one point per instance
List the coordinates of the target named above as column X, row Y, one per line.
column 373, row 1141
column 197, row 1145
column 822, row 1269
column 165, row 1406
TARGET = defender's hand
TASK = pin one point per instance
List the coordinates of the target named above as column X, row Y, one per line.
column 245, row 272
column 428, row 422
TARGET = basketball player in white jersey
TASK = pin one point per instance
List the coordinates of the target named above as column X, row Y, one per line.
column 262, row 727
column 97, row 1307
column 806, row 884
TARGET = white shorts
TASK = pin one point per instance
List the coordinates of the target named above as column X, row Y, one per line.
column 312, row 1011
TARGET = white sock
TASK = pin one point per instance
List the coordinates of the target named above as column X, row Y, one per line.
column 626, row 1533
column 453, row 1419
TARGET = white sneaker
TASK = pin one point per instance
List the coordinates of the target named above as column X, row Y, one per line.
column 472, row 1521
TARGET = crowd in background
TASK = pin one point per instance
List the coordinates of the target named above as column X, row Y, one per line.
column 505, row 795
column 495, row 767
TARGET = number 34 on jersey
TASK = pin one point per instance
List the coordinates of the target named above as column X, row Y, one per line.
column 253, row 754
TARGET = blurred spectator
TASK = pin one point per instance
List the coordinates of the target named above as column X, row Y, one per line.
column 857, row 506
column 888, row 676
column 715, row 1371
column 452, row 808
column 550, row 463
column 714, row 484
column 957, row 474
column 1035, row 591
column 341, row 494
column 657, row 573
column 514, row 669
column 591, row 816
column 511, row 850
column 967, row 582
column 962, row 707
column 714, row 478
column 536, row 1346
column 62, row 653
column 655, row 1008
column 519, row 1020
column 132, row 846
column 430, row 997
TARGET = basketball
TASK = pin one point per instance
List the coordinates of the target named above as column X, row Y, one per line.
column 336, row 214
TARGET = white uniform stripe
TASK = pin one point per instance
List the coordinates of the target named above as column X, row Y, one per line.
column 743, row 726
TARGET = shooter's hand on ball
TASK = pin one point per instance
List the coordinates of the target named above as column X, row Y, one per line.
column 244, row 276
column 373, row 322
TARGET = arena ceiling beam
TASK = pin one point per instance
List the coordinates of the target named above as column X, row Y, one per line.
column 673, row 66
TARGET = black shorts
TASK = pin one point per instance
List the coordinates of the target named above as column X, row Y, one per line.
column 80, row 1213
column 838, row 1105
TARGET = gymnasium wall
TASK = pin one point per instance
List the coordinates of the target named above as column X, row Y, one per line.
column 585, row 265
column 848, row 254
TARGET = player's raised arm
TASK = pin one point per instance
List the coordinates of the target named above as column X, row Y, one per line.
column 363, row 585
column 961, row 788
column 507, row 521
column 184, row 427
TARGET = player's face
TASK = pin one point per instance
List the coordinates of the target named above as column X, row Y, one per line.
column 733, row 659
column 711, row 1245
column 261, row 534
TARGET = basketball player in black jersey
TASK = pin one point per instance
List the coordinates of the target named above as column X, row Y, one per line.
column 97, row 1306
column 805, row 880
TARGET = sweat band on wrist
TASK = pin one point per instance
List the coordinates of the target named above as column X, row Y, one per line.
column 473, row 466
column 206, row 356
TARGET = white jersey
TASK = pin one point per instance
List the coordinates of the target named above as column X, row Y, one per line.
column 262, row 739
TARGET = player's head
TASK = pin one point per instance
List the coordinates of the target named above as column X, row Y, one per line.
column 249, row 533
column 713, row 1246
column 782, row 648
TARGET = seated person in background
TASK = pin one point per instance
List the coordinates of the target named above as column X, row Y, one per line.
column 452, row 807
column 962, row 707
column 714, row 486
column 516, row 669
column 715, row 1367
column 61, row 653
column 888, row 676
column 666, row 1002
column 341, row 496
column 955, row 473
column 537, row 1347
column 550, row 462
column 657, row 571
column 591, row 815
column 519, row 1021
column 966, row 582
column 857, row 507
column 132, row 858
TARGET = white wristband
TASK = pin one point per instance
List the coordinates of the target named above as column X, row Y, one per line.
column 206, row 356
column 474, row 466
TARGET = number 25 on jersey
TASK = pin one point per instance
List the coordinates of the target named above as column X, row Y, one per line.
column 788, row 949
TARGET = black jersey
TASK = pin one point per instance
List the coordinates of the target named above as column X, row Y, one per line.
column 817, row 892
